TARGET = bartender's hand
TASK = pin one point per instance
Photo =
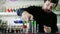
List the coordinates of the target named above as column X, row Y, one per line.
column 26, row 16
column 47, row 29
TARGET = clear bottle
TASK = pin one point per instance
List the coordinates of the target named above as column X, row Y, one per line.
column 7, row 30
column 30, row 25
column 37, row 28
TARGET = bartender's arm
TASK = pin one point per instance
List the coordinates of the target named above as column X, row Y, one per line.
column 24, row 13
column 54, row 25
column 47, row 29
column 53, row 28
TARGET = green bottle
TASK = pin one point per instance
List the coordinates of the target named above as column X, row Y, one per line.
column 34, row 23
column 34, row 26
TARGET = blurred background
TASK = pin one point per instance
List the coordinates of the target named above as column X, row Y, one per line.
column 8, row 10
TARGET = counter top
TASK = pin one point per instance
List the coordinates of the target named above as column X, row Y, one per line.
column 30, row 33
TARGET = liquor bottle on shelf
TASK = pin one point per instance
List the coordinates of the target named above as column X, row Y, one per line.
column 14, row 29
column 7, row 30
column 21, row 29
column 3, row 8
column 18, row 29
column 4, row 26
column 0, row 22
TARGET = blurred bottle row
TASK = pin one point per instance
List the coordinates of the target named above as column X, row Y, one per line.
column 12, row 8
column 26, row 27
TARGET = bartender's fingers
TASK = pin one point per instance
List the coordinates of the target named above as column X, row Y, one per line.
column 47, row 29
column 26, row 16
column 31, row 16
column 45, row 26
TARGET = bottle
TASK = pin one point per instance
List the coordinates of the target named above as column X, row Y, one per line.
column 37, row 27
column 25, row 30
column 34, row 26
column 21, row 30
column 30, row 25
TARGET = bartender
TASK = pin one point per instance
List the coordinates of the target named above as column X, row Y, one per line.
column 44, row 16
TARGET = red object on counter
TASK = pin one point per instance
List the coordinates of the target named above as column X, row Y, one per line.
column 25, row 26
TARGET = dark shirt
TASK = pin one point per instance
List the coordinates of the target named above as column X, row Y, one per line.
column 42, row 18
